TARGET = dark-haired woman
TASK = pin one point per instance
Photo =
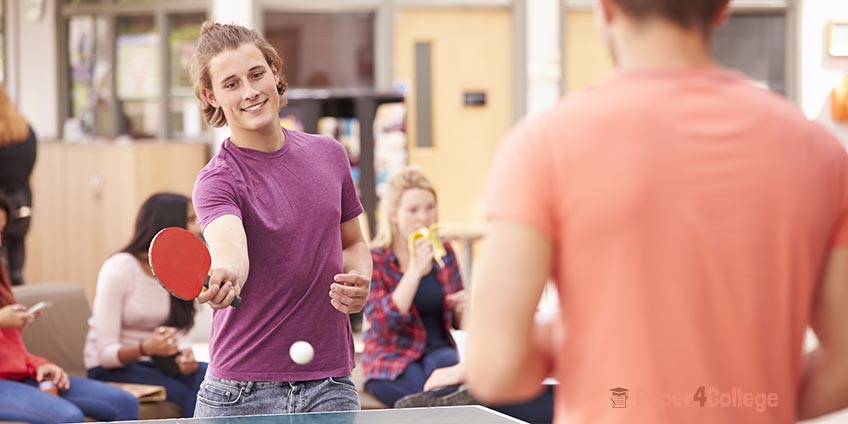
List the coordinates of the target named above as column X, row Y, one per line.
column 138, row 332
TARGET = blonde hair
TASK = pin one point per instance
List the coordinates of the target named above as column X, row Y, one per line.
column 216, row 38
column 13, row 127
column 409, row 178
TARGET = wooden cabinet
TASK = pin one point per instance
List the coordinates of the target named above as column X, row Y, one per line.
column 85, row 200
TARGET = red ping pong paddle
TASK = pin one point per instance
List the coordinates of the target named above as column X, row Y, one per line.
column 180, row 262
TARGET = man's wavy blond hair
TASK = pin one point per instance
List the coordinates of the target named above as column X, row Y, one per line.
column 216, row 38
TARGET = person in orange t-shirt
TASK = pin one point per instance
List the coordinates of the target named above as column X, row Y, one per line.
column 695, row 225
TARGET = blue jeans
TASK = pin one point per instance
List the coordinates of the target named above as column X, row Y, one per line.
column 22, row 401
column 225, row 398
column 181, row 389
column 537, row 410
column 414, row 376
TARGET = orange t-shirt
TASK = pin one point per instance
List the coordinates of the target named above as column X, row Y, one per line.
column 691, row 214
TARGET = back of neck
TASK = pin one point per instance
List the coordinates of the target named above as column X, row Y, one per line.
column 660, row 45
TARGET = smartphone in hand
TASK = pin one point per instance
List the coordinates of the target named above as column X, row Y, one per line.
column 39, row 306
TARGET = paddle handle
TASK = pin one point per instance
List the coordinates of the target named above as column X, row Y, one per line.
column 236, row 301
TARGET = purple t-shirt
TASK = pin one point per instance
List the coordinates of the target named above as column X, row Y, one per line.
column 291, row 203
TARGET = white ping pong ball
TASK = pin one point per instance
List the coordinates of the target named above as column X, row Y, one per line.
column 301, row 352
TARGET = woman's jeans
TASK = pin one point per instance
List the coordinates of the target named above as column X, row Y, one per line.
column 22, row 401
column 181, row 389
column 537, row 410
column 221, row 398
column 414, row 376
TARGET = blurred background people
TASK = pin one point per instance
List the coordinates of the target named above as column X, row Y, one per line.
column 414, row 303
column 17, row 158
column 411, row 358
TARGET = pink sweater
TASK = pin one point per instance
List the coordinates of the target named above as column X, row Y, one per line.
column 128, row 306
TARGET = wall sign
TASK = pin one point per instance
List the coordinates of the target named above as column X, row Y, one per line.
column 837, row 38
column 474, row 98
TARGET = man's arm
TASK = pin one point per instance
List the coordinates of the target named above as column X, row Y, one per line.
column 505, row 360
column 350, row 290
column 230, row 264
column 824, row 387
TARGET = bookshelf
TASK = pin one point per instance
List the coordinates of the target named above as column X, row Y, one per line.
column 310, row 105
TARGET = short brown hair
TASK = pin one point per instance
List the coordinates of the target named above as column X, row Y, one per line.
column 216, row 38
column 688, row 14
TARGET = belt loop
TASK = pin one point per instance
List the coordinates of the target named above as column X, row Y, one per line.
column 248, row 387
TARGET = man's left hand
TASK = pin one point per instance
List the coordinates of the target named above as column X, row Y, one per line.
column 349, row 292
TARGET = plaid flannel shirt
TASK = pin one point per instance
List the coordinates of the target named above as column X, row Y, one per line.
column 394, row 340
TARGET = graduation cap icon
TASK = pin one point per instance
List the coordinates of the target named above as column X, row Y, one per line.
column 619, row 397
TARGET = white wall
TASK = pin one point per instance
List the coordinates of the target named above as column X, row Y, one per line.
column 33, row 63
column 234, row 12
column 820, row 72
column 544, row 61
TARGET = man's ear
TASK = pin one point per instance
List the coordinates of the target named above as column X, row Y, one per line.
column 722, row 15
column 606, row 9
column 210, row 97
column 274, row 71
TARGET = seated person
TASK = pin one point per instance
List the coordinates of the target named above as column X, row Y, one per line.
column 411, row 358
column 21, row 373
column 138, row 331
column 413, row 302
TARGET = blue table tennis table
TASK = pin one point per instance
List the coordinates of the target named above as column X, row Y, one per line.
column 436, row 415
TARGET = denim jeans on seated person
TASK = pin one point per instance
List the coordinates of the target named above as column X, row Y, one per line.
column 413, row 377
column 223, row 398
column 180, row 389
column 22, row 401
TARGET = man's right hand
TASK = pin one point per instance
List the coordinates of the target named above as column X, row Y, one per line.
column 230, row 265
column 14, row 316
column 222, row 290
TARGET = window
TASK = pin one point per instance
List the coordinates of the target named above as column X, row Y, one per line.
column 322, row 50
column 128, row 68
column 754, row 43
column 184, row 117
column 137, row 76
column 90, row 74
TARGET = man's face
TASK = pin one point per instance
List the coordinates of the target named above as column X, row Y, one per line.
column 244, row 86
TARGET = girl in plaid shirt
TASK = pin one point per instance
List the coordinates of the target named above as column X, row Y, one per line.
column 414, row 303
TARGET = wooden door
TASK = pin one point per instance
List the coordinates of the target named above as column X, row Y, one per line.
column 587, row 60
column 470, row 51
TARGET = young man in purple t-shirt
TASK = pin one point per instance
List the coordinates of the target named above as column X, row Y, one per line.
column 282, row 205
